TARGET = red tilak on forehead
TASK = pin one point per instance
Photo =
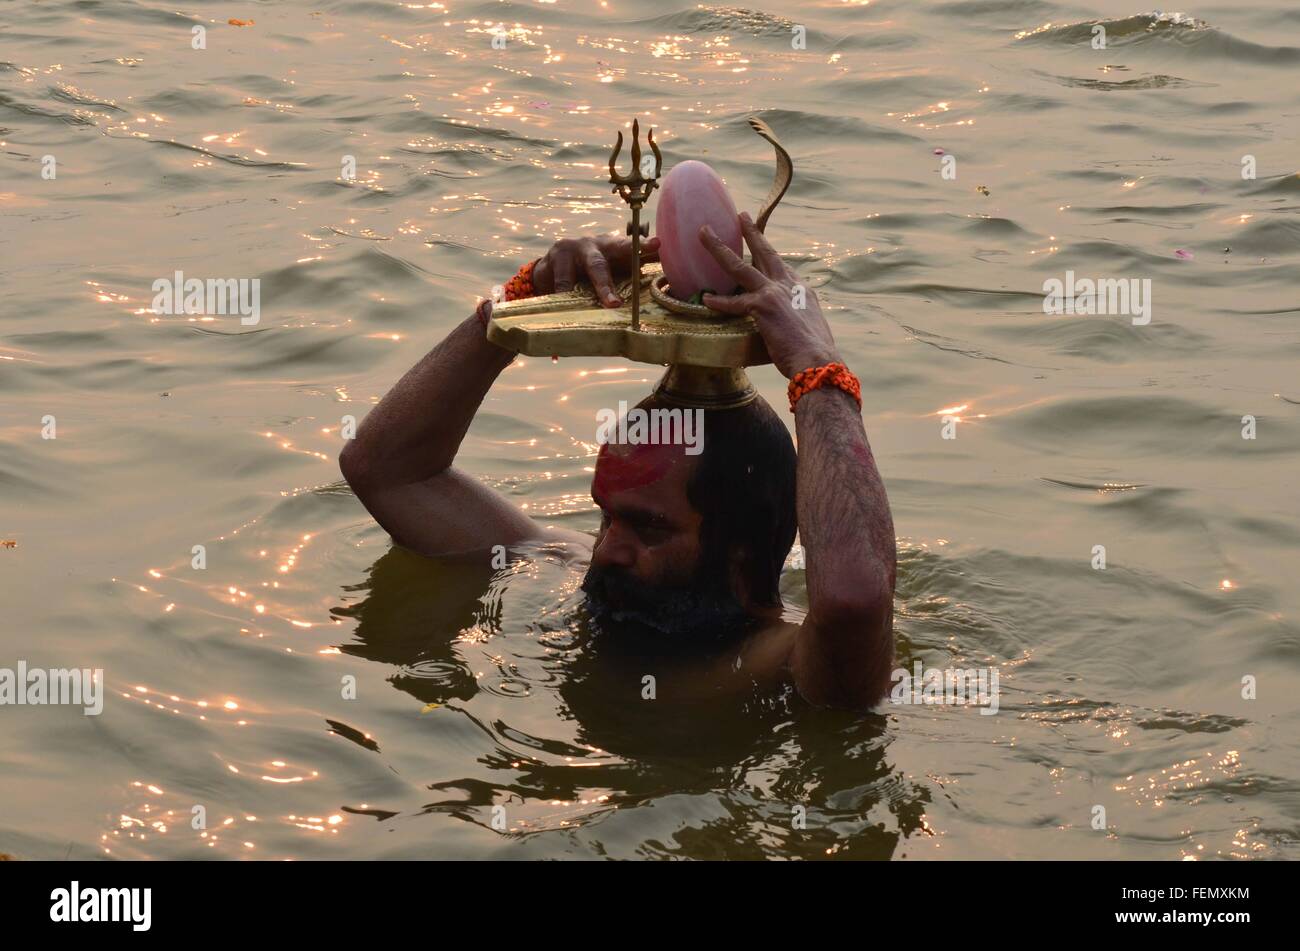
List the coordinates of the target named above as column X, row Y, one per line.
column 634, row 467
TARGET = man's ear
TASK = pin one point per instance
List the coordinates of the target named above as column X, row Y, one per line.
column 737, row 577
column 739, row 574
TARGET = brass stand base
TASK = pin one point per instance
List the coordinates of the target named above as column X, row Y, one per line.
column 705, row 387
column 706, row 356
column 572, row 324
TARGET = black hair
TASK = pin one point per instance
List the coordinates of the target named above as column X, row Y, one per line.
column 743, row 486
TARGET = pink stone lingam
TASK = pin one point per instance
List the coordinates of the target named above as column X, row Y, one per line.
column 693, row 195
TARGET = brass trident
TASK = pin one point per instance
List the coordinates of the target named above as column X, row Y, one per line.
column 630, row 189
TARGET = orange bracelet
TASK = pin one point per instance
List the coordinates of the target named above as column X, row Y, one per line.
column 832, row 374
column 521, row 285
column 517, row 288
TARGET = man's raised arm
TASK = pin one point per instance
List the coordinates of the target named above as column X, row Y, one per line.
column 843, row 653
column 400, row 463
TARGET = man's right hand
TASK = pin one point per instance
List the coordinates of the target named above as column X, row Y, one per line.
column 600, row 260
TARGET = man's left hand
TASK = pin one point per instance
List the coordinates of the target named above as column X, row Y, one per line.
column 797, row 337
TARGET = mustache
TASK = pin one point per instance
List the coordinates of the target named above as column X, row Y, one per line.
column 617, row 588
column 673, row 611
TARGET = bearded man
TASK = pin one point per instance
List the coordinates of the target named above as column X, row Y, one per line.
column 689, row 547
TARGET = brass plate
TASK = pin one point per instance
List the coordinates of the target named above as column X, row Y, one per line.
column 573, row 324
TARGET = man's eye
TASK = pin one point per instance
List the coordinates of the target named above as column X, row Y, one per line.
column 653, row 534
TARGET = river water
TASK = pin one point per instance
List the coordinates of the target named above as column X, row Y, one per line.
column 1162, row 689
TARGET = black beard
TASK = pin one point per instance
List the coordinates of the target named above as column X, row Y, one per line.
column 666, row 614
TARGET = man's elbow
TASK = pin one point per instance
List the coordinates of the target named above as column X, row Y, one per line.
column 356, row 467
column 848, row 660
column 866, row 608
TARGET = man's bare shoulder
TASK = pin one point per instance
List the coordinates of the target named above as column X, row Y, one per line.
column 762, row 659
column 568, row 543
column 578, row 542
column 565, row 545
column 765, row 654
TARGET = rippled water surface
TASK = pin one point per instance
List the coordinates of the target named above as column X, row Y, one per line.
column 1120, row 688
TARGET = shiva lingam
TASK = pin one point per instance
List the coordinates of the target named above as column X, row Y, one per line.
column 706, row 352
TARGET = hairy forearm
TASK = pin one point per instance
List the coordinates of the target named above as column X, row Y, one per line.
column 846, row 649
column 415, row 430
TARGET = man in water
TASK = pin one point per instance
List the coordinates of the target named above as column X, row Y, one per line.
column 690, row 547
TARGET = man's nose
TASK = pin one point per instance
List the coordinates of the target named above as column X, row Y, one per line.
column 614, row 549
